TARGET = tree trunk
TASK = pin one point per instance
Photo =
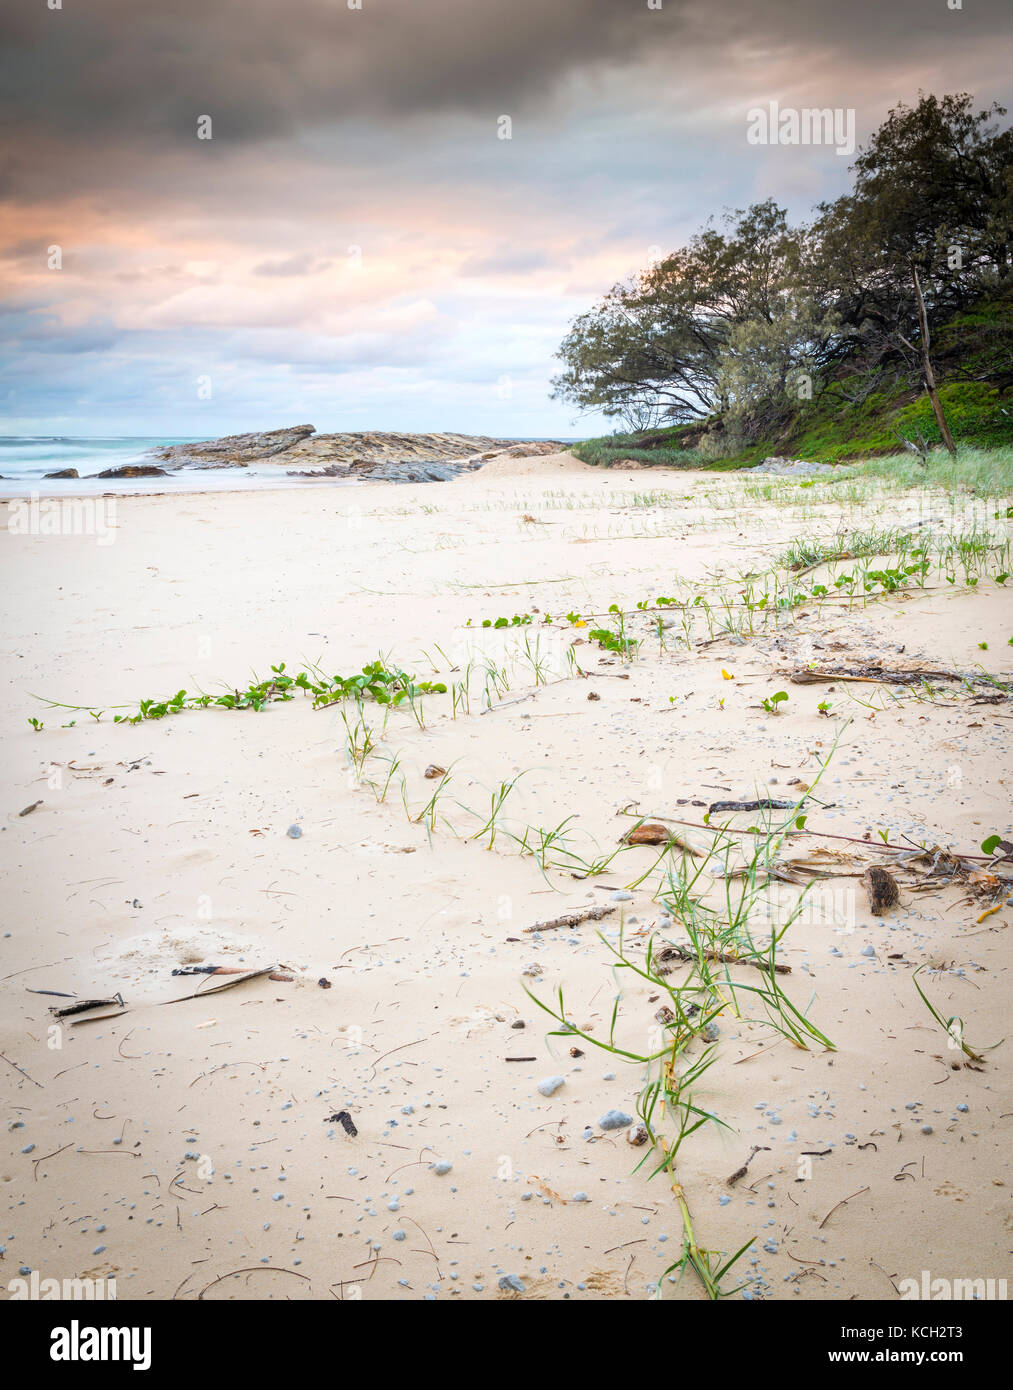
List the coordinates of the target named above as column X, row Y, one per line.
column 929, row 374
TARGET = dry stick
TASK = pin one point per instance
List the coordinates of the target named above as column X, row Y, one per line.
column 22, row 1071
column 503, row 703
column 37, row 1161
column 680, row 953
column 823, row 834
column 277, row 1269
column 879, row 676
column 399, row 1049
column 572, row 919
column 222, row 1065
column 769, row 1048
column 82, row 1005
column 840, row 1204
column 741, row 1172
column 228, row 984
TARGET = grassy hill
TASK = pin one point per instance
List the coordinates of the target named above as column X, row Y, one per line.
column 973, row 360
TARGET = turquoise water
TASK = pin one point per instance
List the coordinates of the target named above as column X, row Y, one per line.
column 26, row 459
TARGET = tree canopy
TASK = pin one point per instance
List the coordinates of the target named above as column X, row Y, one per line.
column 754, row 313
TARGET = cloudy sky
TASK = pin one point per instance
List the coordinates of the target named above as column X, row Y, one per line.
column 356, row 245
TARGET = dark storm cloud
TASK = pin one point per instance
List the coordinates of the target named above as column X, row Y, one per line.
column 265, row 69
column 133, row 71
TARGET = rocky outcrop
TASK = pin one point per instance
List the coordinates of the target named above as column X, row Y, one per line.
column 391, row 471
column 376, row 447
column 234, row 451
column 63, row 473
column 377, row 455
column 131, row 470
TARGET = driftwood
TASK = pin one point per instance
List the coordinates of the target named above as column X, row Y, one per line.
column 766, row 804
column 807, row 675
column 573, row 919
column 83, row 1005
column 882, row 675
column 881, row 886
column 229, row 970
column 227, row 984
column 680, row 953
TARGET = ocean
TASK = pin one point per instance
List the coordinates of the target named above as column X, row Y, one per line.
column 26, row 459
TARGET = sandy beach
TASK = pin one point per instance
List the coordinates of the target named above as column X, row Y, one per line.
column 195, row 1148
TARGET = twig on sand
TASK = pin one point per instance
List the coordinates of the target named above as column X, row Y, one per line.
column 741, row 1172
column 222, row 1065
column 37, row 1161
column 885, row 847
column 22, row 1071
column 573, row 919
column 840, row 1204
column 503, row 703
column 680, row 953
column 399, row 1049
column 227, row 984
column 256, row 1269
column 83, row 1005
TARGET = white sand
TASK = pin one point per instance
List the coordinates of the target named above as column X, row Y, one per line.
column 165, row 844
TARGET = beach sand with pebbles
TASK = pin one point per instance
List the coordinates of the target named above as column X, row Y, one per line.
column 190, row 1147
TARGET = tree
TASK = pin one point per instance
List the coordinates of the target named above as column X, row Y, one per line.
column 662, row 340
column 746, row 320
column 933, row 188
